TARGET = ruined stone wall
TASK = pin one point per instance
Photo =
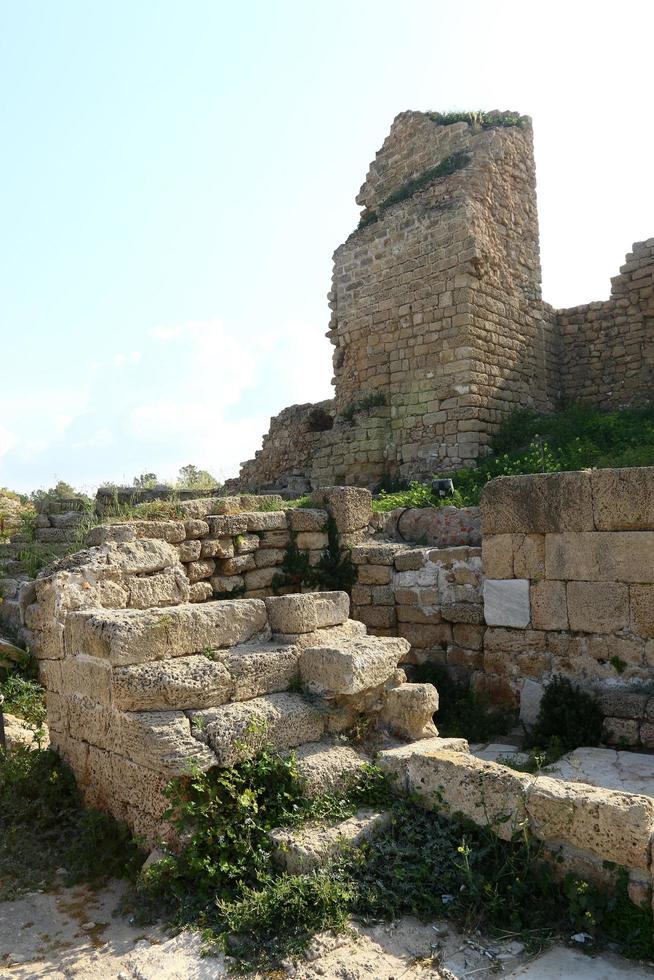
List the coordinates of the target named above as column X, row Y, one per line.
column 569, row 589
column 607, row 349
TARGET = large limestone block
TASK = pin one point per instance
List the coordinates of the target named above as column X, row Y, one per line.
column 195, row 527
column 537, row 504
column 506, row 602
column 497, row 555
column 227, row 525
column 131, row 636
column 183, row 682
column 351, row 507
column 238, row 731
column 484, row 792
column 92, row 722
column 189, row 550
column 261, row 668
column 105, row 533
column 161, row 741
column 623, row 499
column 308, row 848
column 327, row 766
column 142, row 788
column 598, row 607
column 308, row 612
column 608, row 556
column 141, row 557
column 273, row 520
column 549, row 608
column 408, row 710
column 306, row 519
column 394, row 762
column 171, row 531
column 260, row 578
column 324, row 637
column 167, row 588
column 641, row 606
column 378, row 553
column 351, row 667
column 614, row 826
column 198, row 570
column 90, row 677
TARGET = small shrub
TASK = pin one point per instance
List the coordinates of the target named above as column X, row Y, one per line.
column 568, row 717
column 463, row 713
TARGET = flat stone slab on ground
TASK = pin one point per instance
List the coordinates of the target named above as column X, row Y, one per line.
column 562, row 963
column 628, row 772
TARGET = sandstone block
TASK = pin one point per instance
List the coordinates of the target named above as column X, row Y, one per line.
column 549, row 610
column 497, row 555
column 623, row 499
column 598, row 607
column 374, row 574
column 622, row 556
column 237, row 565
column 463, row 612
column 273, row 520
column 641, row 606
column 245, row 544
column 189, row 550
column 227, row 525
column 381, row 553
column 351, row 667
column 50, row 674
column 269, row 557
column 311, row 540
column 200, row 591
column 416, row 614
column 621, row 731
column 351, row 507
column 537, row 504
column 410, row 560
column 183, row 682
column 408, row 710
column 305, row 613
column 529, row 556
column 238, row 731
column 612, row 825
column 105, row 533
column 259, row 578
column 306, row 519
column 328, row 766
column 167, row 588
column 217, row 548
column 308, row 848
column 468, row 635
column 227, row 583
column 142, row 557
column 127, row 636
column 274, row 539
column 531, row 695
column 161, row 741
column 196, row 528
column 423, row 636
column 87, row 676
column 173, row 532
column 261, row 668
column 378, row 617
column 506, row 602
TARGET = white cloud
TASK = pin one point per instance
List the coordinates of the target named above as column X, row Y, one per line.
column 7, row 440
column 122, row 360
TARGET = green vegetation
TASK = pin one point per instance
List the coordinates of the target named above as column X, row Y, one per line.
column 373, row 400
column 578, row 437
column 480, row 120
column 61, row 491
column 450, row 165
column 45, row 829
column 463, row 713
column 335, row 570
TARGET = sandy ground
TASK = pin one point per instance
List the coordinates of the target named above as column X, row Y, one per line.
column 76, row 933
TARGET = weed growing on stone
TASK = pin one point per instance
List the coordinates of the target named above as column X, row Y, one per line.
column 480, row 120
column 335, row 570
column 463, row 713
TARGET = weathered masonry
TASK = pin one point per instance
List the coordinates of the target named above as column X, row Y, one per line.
column 438, row 323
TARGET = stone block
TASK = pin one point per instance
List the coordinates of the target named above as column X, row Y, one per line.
column 506, row 602
column 351, row 507
column 161, row 741
column 217, row 548
column 641, row 609
column 549, row 609
column 529, row 556
column 273, row 520
column 227, row 525
column 306, row 519
column 351, row 667
column 612, row 825
column 183, row 682
column 463, row 612
column 261, row 668
column 610, row 556
column 238, row 731
column 621, row 731
column 167, row 588
column 374, row 574
column 195, row 527
column 327, row 766
column 542, row 503
column 259, row 578
column 311, row 541
column 126, row 636
column 531, row 695
column 305, row 613
column 307, row 848
column 410, row 560
column 379, row 553
column 200, row 591
column 189, row 550
column 598, row 607
column 269, row 557
column 198, row 570
column 423, row 636
column 378, row 617
column 623, row 499
column 87, row 676
column 416, row 614
column 394, row 762
column 173, row 532
column 105, row 533
column 237, row 565
column 227, row 583
column 468, row 635
column 142, row 557
column 409, row 709
column 245, row 544
column 497, row 555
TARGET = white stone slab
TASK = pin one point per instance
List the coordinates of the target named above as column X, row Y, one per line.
column 506, row 602
column 561, row 963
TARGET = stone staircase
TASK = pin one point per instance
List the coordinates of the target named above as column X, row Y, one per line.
column 141, row 696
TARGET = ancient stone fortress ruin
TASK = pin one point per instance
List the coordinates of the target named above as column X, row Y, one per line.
column 437, row 319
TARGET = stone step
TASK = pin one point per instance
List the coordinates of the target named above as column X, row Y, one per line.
column 352, row 664
column 328, row 766
column 239, row 730
column 299, row 851
column 209, row 680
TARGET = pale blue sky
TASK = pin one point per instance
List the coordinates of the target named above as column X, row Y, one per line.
column 176, row 175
